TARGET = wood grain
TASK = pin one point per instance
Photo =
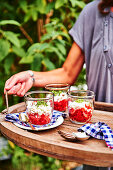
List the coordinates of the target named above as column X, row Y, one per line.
column 50, row 143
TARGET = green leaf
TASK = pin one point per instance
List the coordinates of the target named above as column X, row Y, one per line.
column 59, row 3
column 46, row 37
column 28, row 16
column 19, row 51
column 58, row 53
column 34, row 15
column 37, row 47
column 48, row 64
column 7, row 64
column 27, row 60
column 1, row 101
column 23, row 5
column 12, row 22
column 37, row 62
column 23, row 42
column 80, row 4
column 61, row 47
column 12, row 37
column 41, row 6
column 49, row 7
column 4, row 49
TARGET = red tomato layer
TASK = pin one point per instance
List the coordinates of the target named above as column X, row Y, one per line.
column 80, row 114
column 61, row 105
column 36, row 119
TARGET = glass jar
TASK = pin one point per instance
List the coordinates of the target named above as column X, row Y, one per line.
column 80, row 106
column 60, row 95
column 39, row 107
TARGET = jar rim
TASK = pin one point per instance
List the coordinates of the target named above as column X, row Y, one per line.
column 92, row 94
column 28, row 97
column 57, row 86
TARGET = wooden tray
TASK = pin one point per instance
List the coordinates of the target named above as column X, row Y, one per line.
column 50, row 143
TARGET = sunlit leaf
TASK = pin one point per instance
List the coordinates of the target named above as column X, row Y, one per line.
column 48, row 64
column 37, row 62
column 58, row 53
column 41, row 6
column 38, row 47
column 34, row 15
column 12, row 37
column 49, row 7
column 59, row 3
column 12, row 22
column 24, row 6
column 80, row 4
column 61, row 47
column 28, row 16
column 19, row 51
column 46, row 37
column 27, row 60
column 7, row 64
column 23, row 42
column 4, row 49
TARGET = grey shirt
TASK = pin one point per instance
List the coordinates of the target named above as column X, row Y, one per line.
column 93, row 32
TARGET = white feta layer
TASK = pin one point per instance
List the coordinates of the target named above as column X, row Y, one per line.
column 60, row 97
column 41, row 109
column 76, row 105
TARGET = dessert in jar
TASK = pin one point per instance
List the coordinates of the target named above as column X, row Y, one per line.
column 80, row 106
column 60, row 96
column 39, row 107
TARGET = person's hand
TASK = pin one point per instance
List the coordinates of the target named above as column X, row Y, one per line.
column 18, row 84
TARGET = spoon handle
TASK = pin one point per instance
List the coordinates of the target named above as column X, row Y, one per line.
column 6, row 97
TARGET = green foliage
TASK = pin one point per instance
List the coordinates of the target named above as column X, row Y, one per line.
column 24, row 160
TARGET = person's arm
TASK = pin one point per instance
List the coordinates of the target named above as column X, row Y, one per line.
column 21, row 82
column 67, row 74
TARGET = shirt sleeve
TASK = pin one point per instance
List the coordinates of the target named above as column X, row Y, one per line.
column 77, row 31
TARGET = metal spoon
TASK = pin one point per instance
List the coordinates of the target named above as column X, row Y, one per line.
column 81, row 136
column 6, row 97
column 24, row 118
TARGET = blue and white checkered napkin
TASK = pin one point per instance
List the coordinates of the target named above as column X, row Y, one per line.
column 14, row 117
column 99, row 130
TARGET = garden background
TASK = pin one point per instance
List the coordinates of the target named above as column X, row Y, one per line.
column 34, row 36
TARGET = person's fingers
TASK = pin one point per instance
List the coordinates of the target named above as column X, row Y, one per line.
column 21, row 89
column 28, row 85
column 15, row 79
column 12, row 83
column 8, row 81
column 14, row 89
column 23, row 92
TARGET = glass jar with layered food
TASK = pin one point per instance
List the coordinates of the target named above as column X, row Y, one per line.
column 80, row 106
column 39, row 107
column 60, row 95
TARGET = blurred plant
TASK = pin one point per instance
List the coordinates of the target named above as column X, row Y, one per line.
column 24, row 160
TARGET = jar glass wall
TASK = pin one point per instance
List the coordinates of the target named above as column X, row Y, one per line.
column 80, row 106
column 60, row 95
column 39, row 107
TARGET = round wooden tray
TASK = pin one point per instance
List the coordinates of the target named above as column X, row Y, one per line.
column 50, row 143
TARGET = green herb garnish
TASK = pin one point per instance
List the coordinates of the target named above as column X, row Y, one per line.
column 57, row 92
column 79, row 100
column 41, row 103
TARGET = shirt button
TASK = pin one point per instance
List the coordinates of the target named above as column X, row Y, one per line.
column 105, row 23
column 105, row 47
column 109, row 65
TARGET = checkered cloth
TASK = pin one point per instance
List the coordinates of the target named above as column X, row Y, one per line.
column 99, row 130
column 14, row 117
